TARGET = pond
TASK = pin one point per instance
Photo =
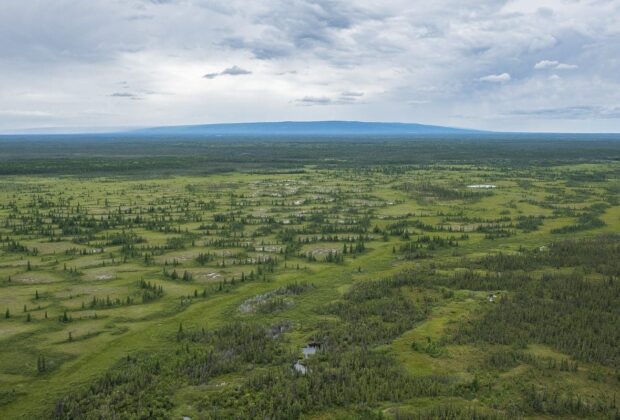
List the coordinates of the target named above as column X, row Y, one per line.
column 309, row 350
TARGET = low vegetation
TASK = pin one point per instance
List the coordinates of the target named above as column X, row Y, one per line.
column 227, row 286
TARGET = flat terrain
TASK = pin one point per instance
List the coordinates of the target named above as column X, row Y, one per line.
column 417, row 293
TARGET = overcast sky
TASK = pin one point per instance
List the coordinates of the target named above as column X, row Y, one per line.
column 544, row 65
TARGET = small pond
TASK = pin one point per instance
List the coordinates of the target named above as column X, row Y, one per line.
column 309, row 350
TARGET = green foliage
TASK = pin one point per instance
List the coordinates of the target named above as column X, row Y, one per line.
column 450, row 412
column 351, row 378
column 411, row 295
column 132, row 389
column 575, row 316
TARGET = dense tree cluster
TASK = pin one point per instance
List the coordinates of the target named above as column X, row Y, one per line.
column 576, row 316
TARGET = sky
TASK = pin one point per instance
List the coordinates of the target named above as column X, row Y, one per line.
column 508, row 65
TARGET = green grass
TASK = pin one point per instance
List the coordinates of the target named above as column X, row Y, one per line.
column 101, row 336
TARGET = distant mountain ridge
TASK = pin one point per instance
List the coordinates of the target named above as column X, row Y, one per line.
column 303, row 128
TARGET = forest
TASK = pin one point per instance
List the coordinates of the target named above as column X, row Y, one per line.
column 428, row 278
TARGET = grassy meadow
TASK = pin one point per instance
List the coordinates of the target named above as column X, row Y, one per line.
column 446, row 290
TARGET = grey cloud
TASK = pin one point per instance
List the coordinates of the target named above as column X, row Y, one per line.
column 352, row 94
column 218, row 6
column 262, row 48
column 139, row 17
column 349, row 97
column 572, row 112
column 312, row 100
column 545, row 12
column 231, row 71
column 235, row 71
column 287, row 72
column 126, row 95
column 464, row 50
column 345, row 98
column 288, row 27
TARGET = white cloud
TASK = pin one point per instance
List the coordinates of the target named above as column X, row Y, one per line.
column 497, row 78
column 418, row 102
column 18, row 113
column 553, row 64
column 563, row 66
column 86, row 61
column 546, row 64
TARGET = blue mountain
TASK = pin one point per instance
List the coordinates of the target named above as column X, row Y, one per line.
column 304, row 128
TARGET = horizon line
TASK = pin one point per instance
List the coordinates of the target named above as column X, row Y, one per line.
column 116, row 130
